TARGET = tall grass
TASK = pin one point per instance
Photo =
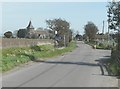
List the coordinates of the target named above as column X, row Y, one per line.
column 12, row 57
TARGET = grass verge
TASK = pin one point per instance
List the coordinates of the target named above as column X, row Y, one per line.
column 104, row 45
column 12, row 57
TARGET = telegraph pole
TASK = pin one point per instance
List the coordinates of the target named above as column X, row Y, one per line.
column 109, row 18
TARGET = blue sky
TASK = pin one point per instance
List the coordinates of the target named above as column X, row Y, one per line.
column 16, row 15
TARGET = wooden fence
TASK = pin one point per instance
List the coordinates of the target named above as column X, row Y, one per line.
column 7, row 43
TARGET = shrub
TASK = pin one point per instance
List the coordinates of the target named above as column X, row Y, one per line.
column 114, row 64
column 36, row 48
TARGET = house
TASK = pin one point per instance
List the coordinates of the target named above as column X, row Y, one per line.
column 42, row 33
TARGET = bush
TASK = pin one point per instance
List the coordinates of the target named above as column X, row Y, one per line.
column 8, row 34
column 114, row 64
column 115, row 69
column 101, row 44
column 36, row 48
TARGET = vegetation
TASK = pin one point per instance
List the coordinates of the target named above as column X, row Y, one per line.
column 62, row 27
column 12, row 57
column 114, row 64
column 90, row 30
column 105, row 45
column 8, row 34
column 114, row 24
column 78, row 37
column 21, row 33
column 114, row 19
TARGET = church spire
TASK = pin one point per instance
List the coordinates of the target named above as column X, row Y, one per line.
column 30, row 26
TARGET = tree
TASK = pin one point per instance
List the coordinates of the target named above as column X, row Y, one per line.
column 114, row 19
column 8, row 34
column 90, row 30
column 70, row 35
column 114, row 36
column 79, row 37
column 21, row 33
column 63, row 30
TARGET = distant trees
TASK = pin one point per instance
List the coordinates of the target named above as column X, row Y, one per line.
column 8, row 34
column 64, row 34
column 78, row 37
column 90, row 30
column 114, row 19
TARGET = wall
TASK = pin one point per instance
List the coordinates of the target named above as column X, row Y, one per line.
column 7, row 43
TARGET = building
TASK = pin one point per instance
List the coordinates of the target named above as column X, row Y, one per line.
column 101, row 37
column 31, row 32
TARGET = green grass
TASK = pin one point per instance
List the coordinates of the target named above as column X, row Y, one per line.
column 12, row 57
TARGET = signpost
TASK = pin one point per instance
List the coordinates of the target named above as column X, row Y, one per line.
column 55, row 39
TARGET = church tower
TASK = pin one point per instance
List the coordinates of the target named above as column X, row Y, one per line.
column 30, row 30
column 30, row 26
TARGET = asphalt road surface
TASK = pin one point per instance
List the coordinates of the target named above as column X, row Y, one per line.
column 78, row 68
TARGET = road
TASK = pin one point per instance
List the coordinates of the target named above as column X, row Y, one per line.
column 78, row 68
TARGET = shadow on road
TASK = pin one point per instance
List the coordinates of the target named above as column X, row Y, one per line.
column 32, row 58
column 70, row 63
column 99, row 64
column 102, row 63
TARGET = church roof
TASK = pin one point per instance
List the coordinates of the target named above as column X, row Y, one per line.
column 30, row 26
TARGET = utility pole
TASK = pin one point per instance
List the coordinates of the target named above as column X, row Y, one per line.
column 109, row 19
column 108, row 31
column 55, row 32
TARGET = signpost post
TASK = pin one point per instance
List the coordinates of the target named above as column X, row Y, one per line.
column 55, row 39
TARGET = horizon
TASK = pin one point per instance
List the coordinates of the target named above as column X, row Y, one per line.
column 16, row 15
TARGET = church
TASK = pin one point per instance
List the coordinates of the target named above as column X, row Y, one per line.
column 31, row 32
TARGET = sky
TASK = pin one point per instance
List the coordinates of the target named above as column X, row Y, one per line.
column 16, row 15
